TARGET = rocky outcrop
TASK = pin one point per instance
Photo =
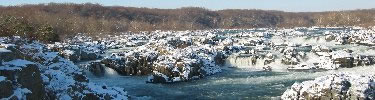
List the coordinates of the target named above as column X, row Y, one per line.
column 24, row 74
column 333, row 87
column 321, row 48
column 76, row 55
column 177, row 71
column 71, row 55
column 329, row 37
column 6, row 88
column 97, row 68
column 343, row 58
column 170, row 60
column 79, row 48
column 134, row 64
column 346, row 62
column 179, row 43
column 269, row 59
column 292, row 57
column 364, row 60
column 187, row 66
column 32, row 72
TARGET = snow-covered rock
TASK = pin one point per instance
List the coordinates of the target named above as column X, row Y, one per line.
column 32, row 72
column 336, row 86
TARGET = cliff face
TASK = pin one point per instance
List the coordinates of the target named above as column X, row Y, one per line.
column 68, row 19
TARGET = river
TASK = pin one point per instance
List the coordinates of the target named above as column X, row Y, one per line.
column 232, row 83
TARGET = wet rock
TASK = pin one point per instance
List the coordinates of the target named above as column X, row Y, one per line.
column 157, row 78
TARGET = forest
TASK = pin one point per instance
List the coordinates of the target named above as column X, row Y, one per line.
column 55, row 21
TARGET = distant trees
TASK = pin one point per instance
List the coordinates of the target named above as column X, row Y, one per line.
column 13, row 26
column 45, row 33
column 45, row 21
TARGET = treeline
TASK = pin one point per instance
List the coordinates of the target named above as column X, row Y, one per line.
column 61, row 20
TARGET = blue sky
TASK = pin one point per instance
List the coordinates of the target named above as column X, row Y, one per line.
column 284, row 5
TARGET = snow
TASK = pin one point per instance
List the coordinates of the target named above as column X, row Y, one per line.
column 303, row 66
column 69, row 52
column 59, row 81
column 7, row 45
column 359, row 86
column 4, row 50
column 340, row 54
column 112, row 91
column 19, row 93
column 2, row 78
column 18, row 63
column 199, row 48
column 58, row 74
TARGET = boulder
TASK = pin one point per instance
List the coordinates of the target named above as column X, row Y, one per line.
column 88, row 56
column 329, row 38
column 27, row 76
column 71, row 55
column 6, row 55
column 343, row 58
column 289, row 61
column 6, row 88
column 96, row 68
column 130, row 65
column 157, row 78
column 220, row 58
column 346, row 62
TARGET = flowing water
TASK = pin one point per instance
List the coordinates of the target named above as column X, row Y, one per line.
column 232, row 83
